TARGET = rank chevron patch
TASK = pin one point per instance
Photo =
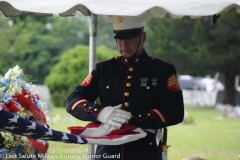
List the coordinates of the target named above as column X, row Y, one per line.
column 172, row 83
column 87, row 80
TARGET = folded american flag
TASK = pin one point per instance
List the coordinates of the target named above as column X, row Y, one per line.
column 96, row 134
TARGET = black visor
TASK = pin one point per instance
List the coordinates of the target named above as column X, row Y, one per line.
column 127, row 34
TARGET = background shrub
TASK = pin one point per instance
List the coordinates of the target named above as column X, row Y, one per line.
column 71, row 70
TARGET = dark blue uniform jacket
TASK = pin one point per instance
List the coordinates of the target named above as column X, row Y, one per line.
column 145, row 86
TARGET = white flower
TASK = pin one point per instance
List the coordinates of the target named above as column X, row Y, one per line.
column 33, row 89
column 17, row 71
column 13, row 73
column 14, row 89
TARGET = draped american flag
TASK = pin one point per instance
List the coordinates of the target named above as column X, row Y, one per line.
column 13, row 123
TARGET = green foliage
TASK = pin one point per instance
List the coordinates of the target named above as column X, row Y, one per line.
column 194, row 46
column 197, row 48
column 36, row 43
column 219, row 45
column 71, row 70
column 218, row 49
column 170, row 40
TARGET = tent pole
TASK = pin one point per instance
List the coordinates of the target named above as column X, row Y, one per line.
column 92, row 61
column 92, row 41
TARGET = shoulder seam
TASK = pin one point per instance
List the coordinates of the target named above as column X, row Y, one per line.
column 112, row 59
column 159, row 61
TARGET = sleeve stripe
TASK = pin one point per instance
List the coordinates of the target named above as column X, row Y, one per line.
column 78, row 102
column 159, row 115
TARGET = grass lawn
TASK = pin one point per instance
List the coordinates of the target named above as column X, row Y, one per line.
column 210, row 136
column 61, row 120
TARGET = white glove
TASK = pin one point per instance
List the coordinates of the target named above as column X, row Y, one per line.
column 108, row 126
column 113, row 116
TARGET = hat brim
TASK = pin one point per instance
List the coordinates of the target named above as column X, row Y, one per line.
column 127, row 34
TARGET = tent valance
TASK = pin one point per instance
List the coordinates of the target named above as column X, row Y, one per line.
column 156, row 8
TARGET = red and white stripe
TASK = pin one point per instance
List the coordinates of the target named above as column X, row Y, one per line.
column 95, row 134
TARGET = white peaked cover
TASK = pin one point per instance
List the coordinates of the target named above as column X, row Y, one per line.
column 156, row 8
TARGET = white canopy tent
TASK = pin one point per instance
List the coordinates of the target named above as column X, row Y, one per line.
column 92, row 8
column 157, row 8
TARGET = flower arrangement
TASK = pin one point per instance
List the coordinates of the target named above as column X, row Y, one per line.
column 21, row 97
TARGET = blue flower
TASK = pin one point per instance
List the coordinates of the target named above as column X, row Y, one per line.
column 6, row 97
column 3, row 153
column 18, row 149
column 3, row 88
column 6, row 82
column 36, row 101
column 26, row 86
column 18, row 80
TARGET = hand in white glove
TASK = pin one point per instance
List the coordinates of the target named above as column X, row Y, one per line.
column 108, row 126
column 113, row 116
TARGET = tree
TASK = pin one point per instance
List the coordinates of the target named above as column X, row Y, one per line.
column 197, row 48
column 170, row 40
column 36, row 43
column 71, row 70
column 14, row 43
column 219, row 49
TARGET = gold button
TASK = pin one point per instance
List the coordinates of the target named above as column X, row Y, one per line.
column 148, row 87
column 149, row 114
column 126, row 104
column 126, row 94
column 120, row 19
column 139, row 115
column 129, row 77
column 128, row 84
column 95, row 109
column 107, row 87
column 131, row 69
column 90, row 107
column 150, row 143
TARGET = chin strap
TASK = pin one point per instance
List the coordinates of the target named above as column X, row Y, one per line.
column 134, row 55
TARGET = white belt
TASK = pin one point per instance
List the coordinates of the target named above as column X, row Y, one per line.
column 157, row 132
column 150, row 130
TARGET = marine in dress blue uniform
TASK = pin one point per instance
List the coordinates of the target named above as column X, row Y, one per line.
column 146, row 87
